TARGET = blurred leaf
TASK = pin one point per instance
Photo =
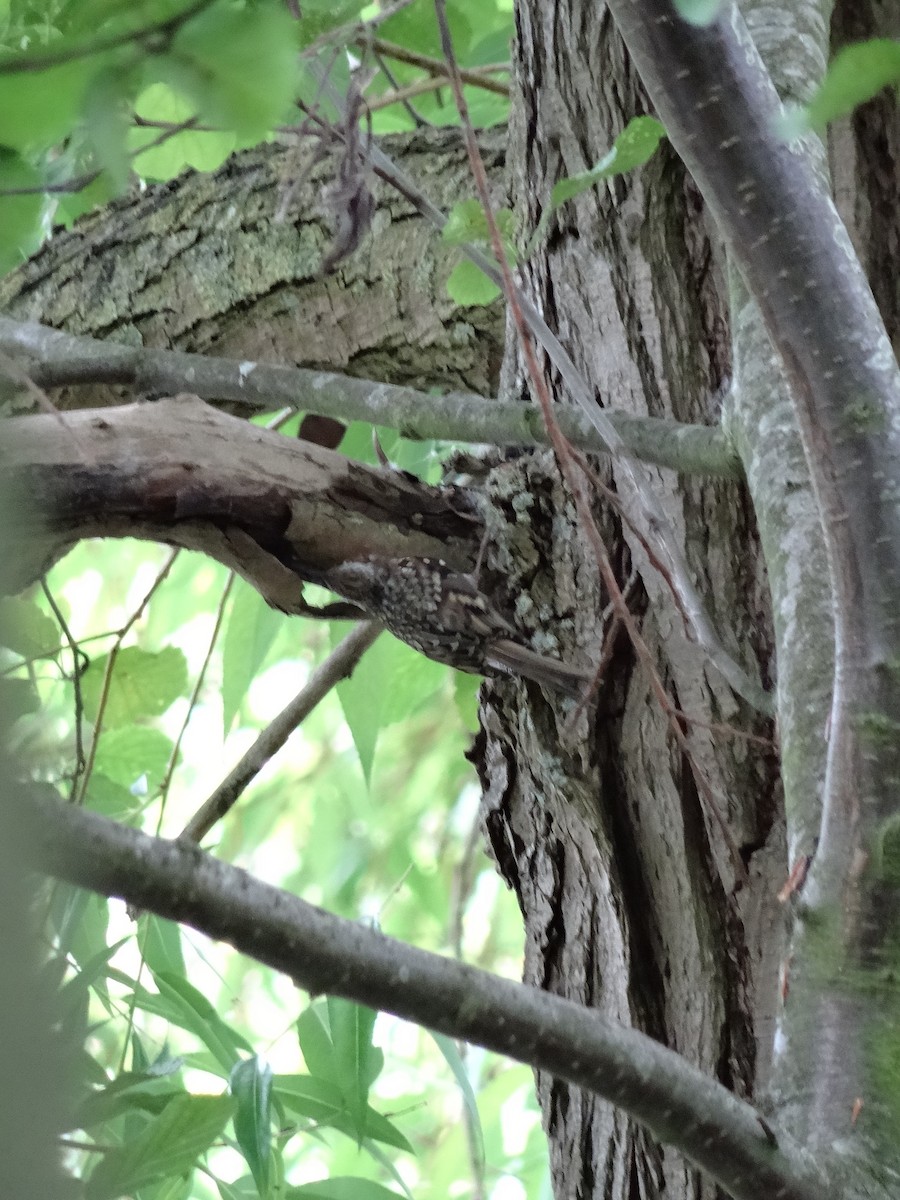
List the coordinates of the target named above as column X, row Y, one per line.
column 126, row 754
column 416, row 28
column 251, row 1086
column 238, row 66
column 20, row 216
column 169, row 1145
column 346, row 1187
column 202, row 150
column 26, row 629
column 448, row 1048
column 468, row 286
column 38, row 108
column 389, row 684
column 18, row 697
column 698, row 12
column 129, row 1092
column 857, row 73
column 107, row 115
column 632, row 148
column 357, row 1060
column 242, row 1189
column 181, row 1004
column 316, row 1044
column 110, row 799
column 465, row 692
column 252, row 627
column 466, row 222
column 160, row 943
column 320, row 1100
column 321, row 16
column 143, row 684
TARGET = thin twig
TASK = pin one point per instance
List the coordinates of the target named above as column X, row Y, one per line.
column 336, row 667
column 192, row 702
column 79, row 664
column 110, row 667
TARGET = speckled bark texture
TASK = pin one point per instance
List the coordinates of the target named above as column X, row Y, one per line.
column 629, row 895
column 201, row 264
column 630, row 900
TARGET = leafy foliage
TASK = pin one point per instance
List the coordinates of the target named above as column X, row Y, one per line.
column 143, row 675
column 857, row 73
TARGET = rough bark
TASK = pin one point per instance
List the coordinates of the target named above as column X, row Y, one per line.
column 201, row 264
column 631, row 901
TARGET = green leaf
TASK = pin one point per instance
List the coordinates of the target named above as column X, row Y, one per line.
column 107, row 115
column 160, row 943
column 466, row 222
column 169, row 1145
column 243, row 1189
column 315, row 1042
column 130, row 1092
column 238, row 66
column 857, row 73
column 320, row 1100
column 468, row 286
column 181, row 1004
column 251, row 1086
column 203, row 150
column 111, row 799
column 143, row 684
column 20, row 216
column 465, row 693
column 357, row 1060
column 127, row 754
column 320, row 16
column 448, row 1048
column 38, row 108
column 26, row 629
column 341, row 1187
column 252, row 627
column 388, row 684
column 632, row 148
column 698, row 12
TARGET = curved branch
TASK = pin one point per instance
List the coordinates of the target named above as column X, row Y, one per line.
column 721, row 112
column 324, row 953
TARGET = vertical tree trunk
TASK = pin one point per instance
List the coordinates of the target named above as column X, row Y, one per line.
column 631, row 899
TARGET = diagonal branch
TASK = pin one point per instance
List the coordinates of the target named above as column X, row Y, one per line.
column 339, row 664
column 324, row 953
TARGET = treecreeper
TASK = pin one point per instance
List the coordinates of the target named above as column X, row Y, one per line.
column 443, row 614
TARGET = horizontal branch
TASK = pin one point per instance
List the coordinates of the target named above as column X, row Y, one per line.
column 56, row 359
column 323, row 953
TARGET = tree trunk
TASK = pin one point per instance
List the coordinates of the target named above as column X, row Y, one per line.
column 630, row 896
column 634, row 901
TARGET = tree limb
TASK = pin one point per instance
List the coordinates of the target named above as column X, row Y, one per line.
column 55, row 359
column 324, row 953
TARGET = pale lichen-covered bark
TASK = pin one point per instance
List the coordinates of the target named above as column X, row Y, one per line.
column 201, row 264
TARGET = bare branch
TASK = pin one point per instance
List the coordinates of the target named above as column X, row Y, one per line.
column 56, row 359
column 323, row 953
column 328, row 675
